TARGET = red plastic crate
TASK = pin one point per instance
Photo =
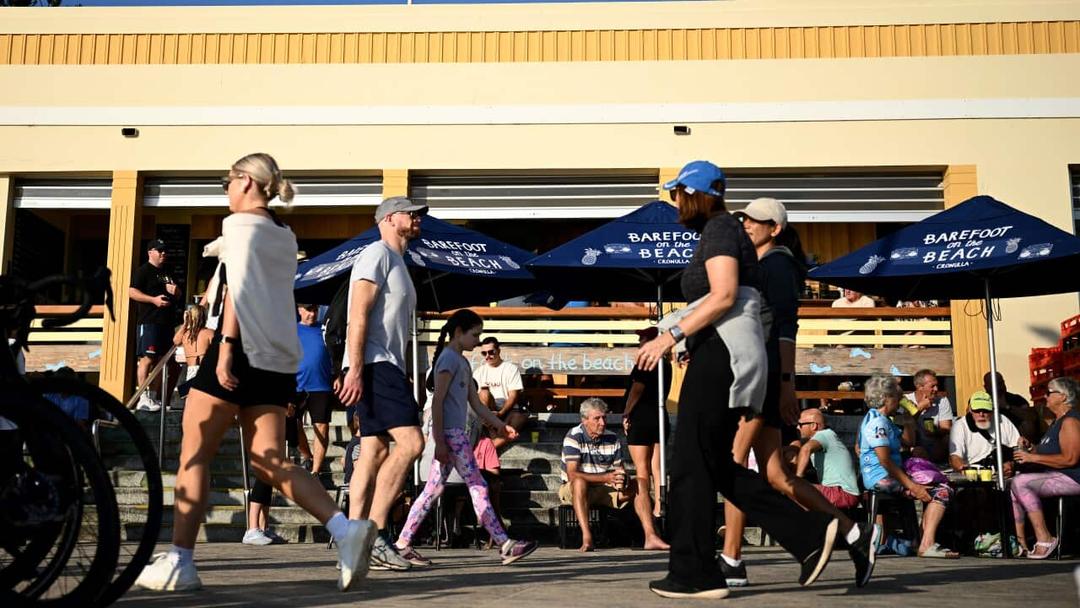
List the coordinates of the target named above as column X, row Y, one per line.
column 1044, row 357
column 1070, row 326
column 1046, row 373
column 1070, row 359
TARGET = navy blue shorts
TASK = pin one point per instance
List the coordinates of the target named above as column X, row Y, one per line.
column 387, row 401
column 153, row 340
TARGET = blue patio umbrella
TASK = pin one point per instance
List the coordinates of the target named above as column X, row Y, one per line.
column 451, row 267
column 637, row 257
column 979, row 249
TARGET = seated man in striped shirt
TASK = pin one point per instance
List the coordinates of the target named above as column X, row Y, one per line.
column 592, row 468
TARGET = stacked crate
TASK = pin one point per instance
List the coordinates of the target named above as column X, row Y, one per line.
column 1045, row 364
column 1070, row 347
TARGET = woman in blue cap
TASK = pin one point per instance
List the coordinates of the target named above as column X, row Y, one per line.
column 722, row 283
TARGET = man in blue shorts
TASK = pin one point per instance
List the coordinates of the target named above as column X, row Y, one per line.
column 382, row 302
column 157, row 297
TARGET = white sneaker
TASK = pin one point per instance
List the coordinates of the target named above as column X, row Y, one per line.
column 148, row 404
column 256, row 537
column 354, row 552
column 164, row 574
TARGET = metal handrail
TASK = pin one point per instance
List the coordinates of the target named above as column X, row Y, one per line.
column 162, row 369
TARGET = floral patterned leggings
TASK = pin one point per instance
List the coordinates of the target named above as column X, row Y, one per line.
column 462, row 459
column 1028, row 488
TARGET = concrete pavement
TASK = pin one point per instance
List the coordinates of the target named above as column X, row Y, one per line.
column 303, row 575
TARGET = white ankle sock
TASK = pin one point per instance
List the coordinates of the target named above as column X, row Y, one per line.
column 338, row 525
column 853, row 535
column 181, row 556
column 734, row 563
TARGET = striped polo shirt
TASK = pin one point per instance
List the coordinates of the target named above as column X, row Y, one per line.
column 595, row 456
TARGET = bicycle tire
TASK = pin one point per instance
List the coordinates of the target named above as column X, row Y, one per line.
column 151, row 527
column 35, row 416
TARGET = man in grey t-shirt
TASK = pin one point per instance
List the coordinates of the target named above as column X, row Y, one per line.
column 382, row 302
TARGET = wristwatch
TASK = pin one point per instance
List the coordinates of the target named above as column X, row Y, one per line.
column 228, row 339
column 676, row 333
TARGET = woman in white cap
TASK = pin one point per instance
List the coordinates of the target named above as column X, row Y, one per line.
column 782, row 269
column 249, row 372
column 723, row 275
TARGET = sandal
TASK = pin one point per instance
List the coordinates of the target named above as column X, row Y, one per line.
column 939, row 552
column 1050, row 547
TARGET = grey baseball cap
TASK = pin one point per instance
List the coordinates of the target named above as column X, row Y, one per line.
column 396, row 204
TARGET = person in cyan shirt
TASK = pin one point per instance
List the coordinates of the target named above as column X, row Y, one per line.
column 883, row 469
column 831, row 460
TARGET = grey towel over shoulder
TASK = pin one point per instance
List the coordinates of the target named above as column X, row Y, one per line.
column 741, row 330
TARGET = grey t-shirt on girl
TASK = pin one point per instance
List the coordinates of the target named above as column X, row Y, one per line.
column 390, row 316
column 456, row 402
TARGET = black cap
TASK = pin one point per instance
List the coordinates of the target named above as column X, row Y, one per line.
column 156, row 244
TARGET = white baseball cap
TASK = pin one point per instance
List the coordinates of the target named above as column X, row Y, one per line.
column 766, row 210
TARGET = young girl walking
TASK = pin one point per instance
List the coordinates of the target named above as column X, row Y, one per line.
column 454, row 392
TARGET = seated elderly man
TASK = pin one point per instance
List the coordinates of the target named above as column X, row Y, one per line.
column 592, row 468
column 831, row 459
column 933, row 416
column 883, row 470
column 971, row 439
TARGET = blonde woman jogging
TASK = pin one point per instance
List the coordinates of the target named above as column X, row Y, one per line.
column 249, row 372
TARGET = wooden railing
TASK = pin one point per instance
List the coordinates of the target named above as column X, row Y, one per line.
column 601, row 340
column 77, row 346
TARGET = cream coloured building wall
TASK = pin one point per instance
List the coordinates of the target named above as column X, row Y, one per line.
column 1015, row 116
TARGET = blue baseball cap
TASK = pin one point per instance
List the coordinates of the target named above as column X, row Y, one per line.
column 698, row 175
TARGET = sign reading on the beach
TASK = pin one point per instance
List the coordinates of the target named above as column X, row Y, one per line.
column 471, row 257
column 957, row 249
column 661, row 247
column 584, row 360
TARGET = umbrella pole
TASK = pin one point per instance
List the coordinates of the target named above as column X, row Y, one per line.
column 994, row 388
column 661, row 410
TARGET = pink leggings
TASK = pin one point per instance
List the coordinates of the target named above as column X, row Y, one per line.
column 1029, row 488
column 462, row 459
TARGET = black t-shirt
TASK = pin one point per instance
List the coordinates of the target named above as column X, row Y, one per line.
column 781, row 282
column 648, row 400
column 722, row 235
column 151, row 280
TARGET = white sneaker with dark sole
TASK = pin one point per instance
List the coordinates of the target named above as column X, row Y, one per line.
column 354, row 552
column 164, row 574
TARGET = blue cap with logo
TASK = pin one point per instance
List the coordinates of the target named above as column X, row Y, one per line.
column 698, row 176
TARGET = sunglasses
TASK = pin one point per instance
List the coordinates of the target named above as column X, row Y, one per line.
column 228, row 179
column 1052, row 391
column 487, row 353
column 414, row 215
column 805, row 423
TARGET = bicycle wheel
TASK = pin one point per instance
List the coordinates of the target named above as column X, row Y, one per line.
column 131, row 462
column 58, row 505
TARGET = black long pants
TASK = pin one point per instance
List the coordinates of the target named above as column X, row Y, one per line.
column 703, row 465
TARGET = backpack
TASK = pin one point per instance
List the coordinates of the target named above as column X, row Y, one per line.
column 337, row 326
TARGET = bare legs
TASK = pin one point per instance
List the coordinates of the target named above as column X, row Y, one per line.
column 766, row 444
column 206, row 419
column 643, row 457
column 380, row 473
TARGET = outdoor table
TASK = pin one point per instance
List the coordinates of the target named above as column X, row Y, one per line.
column 1002, row 501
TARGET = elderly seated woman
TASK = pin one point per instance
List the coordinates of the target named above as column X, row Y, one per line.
column 883, row 470
column 1053, row 469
